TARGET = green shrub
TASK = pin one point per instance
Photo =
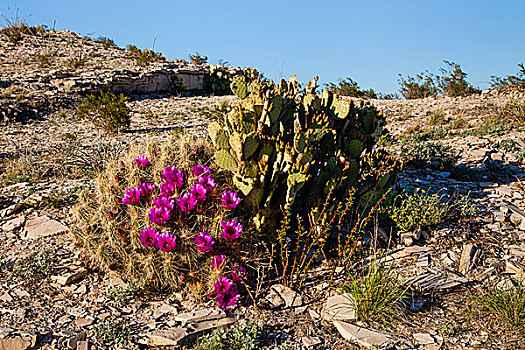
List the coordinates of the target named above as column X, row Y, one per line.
column 418, row 209
column 241, row 336
column 426, row 153
column 465, row 207
column 35, row 266
column 505, row 305
column 106, row 42
column 453, row 82
column 198, row 59
column 349, row 87
column 144, row 57
column 437, row 118
column 106, row 111
column 517, row 80
column 421, row 86
column 113, row 333
column 378, row 294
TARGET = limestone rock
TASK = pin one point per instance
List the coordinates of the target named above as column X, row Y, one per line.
column 365, row 337
column 281, row 295
column 339, row 307
column 201, row 315
column 43, row 226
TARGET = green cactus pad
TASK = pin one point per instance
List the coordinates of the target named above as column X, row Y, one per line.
column 354, row 148
column 249, row 146
column 213, row 130
column 383, row 180
column 225, row 160
column 222, row 140
column 342, row 109
column 243, row 184
column 236, row 144
column 300, row 142
column 239, row 87
column 369, row 120
column 353, row 170
column 254, row 198
column 275, row 108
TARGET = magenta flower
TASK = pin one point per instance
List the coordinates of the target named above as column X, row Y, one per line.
column 167, row 189
column 230, row 200
column 217, row 262
column 207, row 182
column 231, row 230
column 147, row 189
column 187, row 202
column 238, row 273
column 148, row 237
column 164, row 202
column 199, row 170
column 166, row 242
column 159, row 216
column 222, row 285
column 141, row 162
column 204, row 242
column 173, row 176
column 228, row 298
column 199, row 192
column 132, row 196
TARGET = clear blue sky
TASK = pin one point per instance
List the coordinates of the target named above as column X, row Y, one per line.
column 370, row 41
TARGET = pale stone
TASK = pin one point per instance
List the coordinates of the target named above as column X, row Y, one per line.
column 366, row 337
column 180, row 335
column 469, row 258
column 43, row 226
column 423, row 338
column 281, row 295
column 70, row 277
column 310, row 342
column 201, row 315
column 339, row 307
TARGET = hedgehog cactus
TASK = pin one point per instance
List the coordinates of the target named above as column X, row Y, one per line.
column 279, row 142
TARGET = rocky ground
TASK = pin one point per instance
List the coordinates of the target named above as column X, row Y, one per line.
column 50, row 299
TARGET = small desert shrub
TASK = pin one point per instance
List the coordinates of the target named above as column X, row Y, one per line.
column 241, row 336
column 453, row 81
column 437, row 118
column 424, row 153
column 77, row 61
column 106, row 111
column 517, row 80
column 109, row 333
column 506, row 306
column 123, row 295
column 421, row 86
column 198, row 59
column 458, row 123
column 465, row 206
column 166, row 221
column 418, row 209
column 144, row 57
column 34, row 266
column 349, row 87
column 514, row 112
column 378, row 293
column 106, row 42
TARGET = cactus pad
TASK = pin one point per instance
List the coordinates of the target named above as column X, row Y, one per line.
column 354, row 148
column 239, row 86
column 225, row 160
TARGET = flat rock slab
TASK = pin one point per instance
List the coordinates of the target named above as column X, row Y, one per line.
column 435, row 280
column 201, row 315
column 280, row 295
column 17, row 343
column 180, row 335
column 42, row 226
column 340, row 307
column 70, row 276
column 365, row 337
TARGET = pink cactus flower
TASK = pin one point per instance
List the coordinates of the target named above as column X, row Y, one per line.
column 222, row 285
column 238, row 273
column 230, row 200
column 148, row 237
column 173, row 176
column 166, row 242
column 217, row 262
column 201, row 170
column 147, row 189
column 167, row 189
column 159, row 216
column 187, row 202
column 204, row 242
column 141, row 162
column 132, row 195
column 199, row 192
column 207, row 182
column 231, row 230
column 228, row 299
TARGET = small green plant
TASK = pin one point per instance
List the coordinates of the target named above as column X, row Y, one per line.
column 437, row 118
column 465, row 206
column 77, row 61
column 111, row 333
column 58, row 199
column 106, row 111
column 458, row 123
column 418, row 209
column 421, row 86
column 349, row 87
column 123, row 295
column 426, row 153
column 198, row 59
column 242, row 336
column 144, row 57
column 378, row 295
column 506, row 305
column 34, row 266
column 508, row 145
column 106, row 42
column 453, row 82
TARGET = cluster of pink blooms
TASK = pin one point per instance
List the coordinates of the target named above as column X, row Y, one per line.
column 163, row 241
column 170, row 202
column 225, row 292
